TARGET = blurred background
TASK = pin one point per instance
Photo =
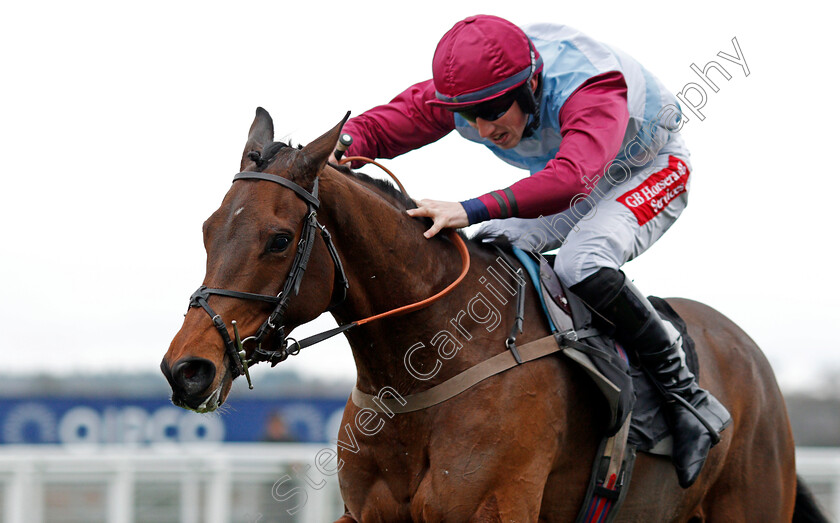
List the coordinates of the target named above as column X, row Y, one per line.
column 98, row 447
column 122, row 124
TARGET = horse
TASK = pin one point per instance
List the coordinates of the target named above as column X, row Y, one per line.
column 517, row 446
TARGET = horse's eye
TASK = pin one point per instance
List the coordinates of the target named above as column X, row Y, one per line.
column 279, row 243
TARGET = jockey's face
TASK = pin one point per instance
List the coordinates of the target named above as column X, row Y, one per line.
column 505, row 132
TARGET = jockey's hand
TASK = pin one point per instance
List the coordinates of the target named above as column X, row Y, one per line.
column 333, row 159
column 444, row 215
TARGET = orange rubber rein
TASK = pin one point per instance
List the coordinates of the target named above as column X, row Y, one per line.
column 454, row 236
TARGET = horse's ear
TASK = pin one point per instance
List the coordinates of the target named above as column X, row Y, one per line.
column 316, row 154
column 260, row 135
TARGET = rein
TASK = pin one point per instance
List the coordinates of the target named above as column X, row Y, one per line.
column 235, row 347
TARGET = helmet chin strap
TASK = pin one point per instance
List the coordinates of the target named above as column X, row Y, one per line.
column 533, row 103
column 533, row 123
column 532, row 97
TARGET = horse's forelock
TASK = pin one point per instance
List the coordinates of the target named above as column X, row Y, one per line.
column 270, row 152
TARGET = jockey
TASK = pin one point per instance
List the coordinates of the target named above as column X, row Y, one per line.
column 609, row 175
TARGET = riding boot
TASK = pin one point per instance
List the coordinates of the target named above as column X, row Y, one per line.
column 695, row 417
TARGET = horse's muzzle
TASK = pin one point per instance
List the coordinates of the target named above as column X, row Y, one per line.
column 190, row 378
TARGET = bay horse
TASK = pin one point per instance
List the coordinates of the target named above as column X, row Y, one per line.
column 515, row 447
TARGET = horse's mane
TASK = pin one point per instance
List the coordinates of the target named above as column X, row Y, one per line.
column 269, row 152
column 386, row 187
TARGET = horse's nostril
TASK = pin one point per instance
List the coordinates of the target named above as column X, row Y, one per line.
column 193, row 375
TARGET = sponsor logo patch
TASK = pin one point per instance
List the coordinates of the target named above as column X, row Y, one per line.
column 654, row 194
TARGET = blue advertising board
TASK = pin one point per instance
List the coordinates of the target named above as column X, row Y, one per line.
column 141, row 421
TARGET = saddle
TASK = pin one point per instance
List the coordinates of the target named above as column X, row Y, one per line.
column 626, row 388
column 636, row 417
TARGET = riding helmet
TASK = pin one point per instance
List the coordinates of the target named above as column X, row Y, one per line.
column 481, row 58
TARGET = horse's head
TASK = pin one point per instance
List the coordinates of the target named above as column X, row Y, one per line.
column 259, row 243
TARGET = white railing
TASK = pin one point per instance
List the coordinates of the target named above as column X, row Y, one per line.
column 820, row 468
column 220, row 483
column 213, row 484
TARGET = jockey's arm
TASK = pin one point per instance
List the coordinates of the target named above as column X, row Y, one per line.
column 592, row 123
column 404, row 124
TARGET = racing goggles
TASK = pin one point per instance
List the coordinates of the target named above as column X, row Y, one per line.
column 490, row 110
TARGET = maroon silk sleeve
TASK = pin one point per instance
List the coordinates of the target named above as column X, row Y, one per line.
column 592, row 123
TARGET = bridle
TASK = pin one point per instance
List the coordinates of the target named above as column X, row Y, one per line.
column 273, row 325
column 234, row 347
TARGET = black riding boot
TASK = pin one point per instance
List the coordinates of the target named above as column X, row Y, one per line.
column 696, row 417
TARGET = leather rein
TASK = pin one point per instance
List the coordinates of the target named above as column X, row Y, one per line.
column 273, row 325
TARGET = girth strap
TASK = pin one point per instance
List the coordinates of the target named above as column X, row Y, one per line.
column 457, row 384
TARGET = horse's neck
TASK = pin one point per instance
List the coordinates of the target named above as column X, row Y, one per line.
column 385, row 255
column 390, row 264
